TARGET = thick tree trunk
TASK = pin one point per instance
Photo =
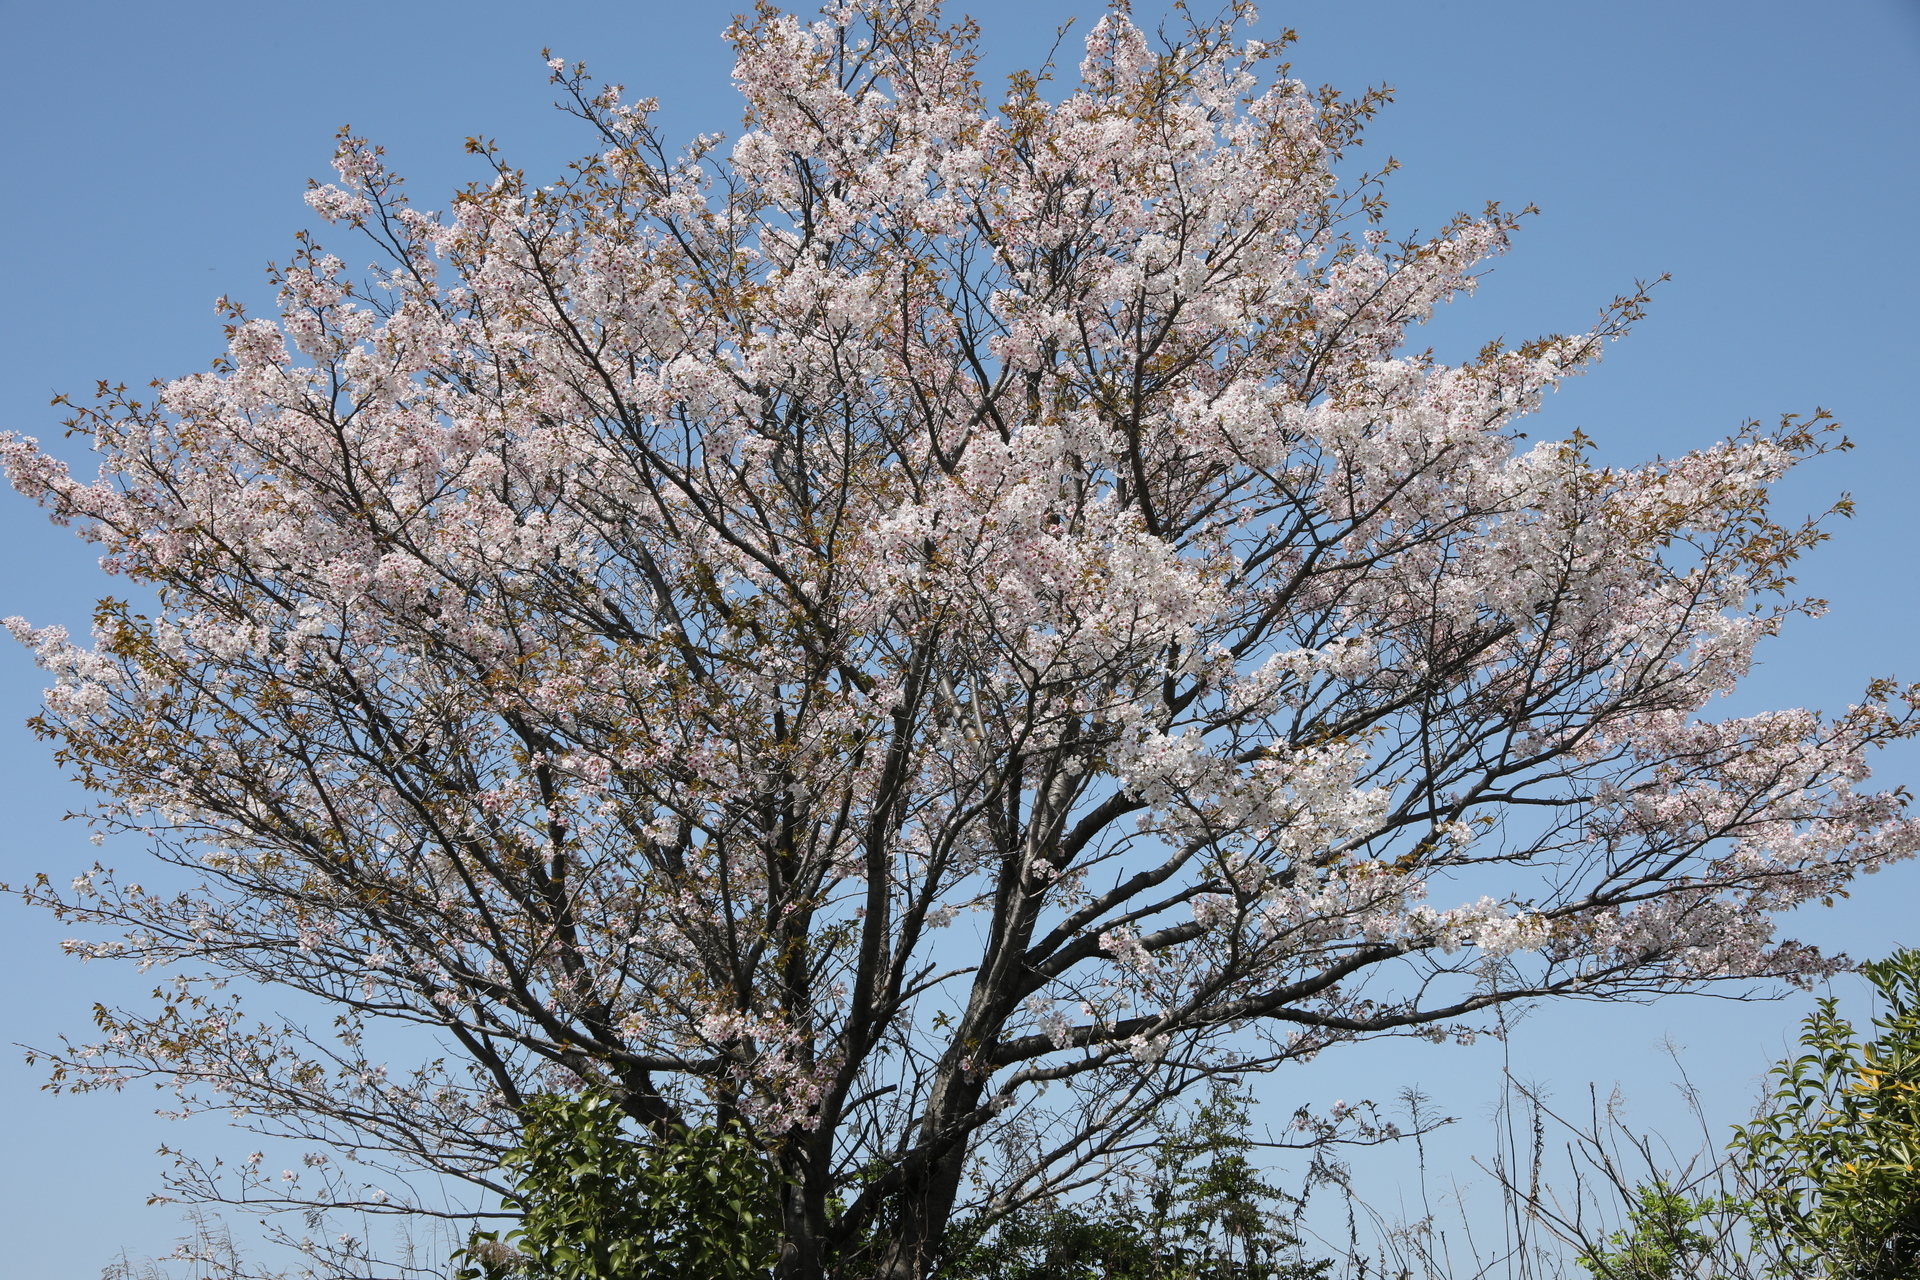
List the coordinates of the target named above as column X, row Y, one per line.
column 925, row 1209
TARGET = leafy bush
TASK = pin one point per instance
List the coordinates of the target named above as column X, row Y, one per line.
column 1664, row 1238
column 1835, row 1157
column 598, row 1204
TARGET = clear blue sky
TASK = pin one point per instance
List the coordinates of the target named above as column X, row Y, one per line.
column 1763, row 152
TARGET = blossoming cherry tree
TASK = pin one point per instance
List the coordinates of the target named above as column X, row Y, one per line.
column 927, row 633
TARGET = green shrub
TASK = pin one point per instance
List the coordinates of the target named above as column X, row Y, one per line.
column 1835, row 1158
column 596, row 1203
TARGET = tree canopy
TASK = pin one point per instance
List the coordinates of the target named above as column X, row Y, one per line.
column 918, row 638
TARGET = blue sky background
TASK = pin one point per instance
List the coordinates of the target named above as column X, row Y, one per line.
column 1761, row 151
